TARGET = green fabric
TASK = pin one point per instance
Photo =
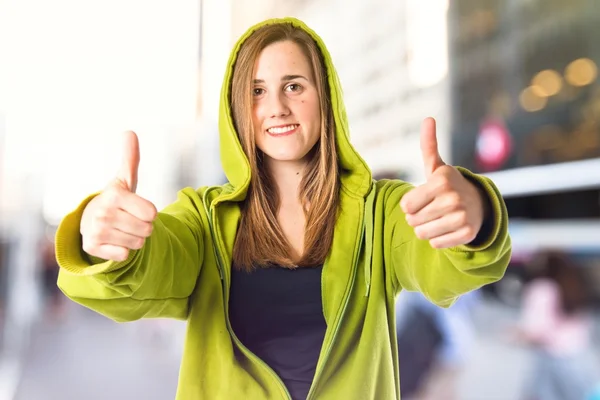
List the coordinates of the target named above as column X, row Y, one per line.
column 183, row 271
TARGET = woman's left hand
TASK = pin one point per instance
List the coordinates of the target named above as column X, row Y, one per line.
column 448, row 210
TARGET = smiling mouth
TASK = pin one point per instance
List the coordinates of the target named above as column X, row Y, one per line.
column 283, row 130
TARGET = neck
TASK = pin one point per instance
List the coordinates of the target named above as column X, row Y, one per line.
column 287, row 176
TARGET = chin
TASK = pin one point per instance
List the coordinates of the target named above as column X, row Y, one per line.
column 286, row 157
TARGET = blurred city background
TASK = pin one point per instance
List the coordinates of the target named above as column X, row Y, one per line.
column 513, row 85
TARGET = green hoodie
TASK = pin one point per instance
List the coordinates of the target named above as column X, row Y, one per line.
column 183, row 271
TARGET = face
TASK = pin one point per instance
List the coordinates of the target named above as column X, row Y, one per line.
column 286, row 114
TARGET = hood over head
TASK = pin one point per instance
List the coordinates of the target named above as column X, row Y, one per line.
column 355, row 174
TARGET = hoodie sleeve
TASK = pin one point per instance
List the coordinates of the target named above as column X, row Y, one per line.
column 154, row 281
column 442, row 275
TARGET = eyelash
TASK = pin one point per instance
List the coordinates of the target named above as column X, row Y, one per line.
column 261, row 90
column 294, row 84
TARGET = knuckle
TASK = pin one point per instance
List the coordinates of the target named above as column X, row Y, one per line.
column 111, row 196
column 421, row 234
column 471, row 234
column 148, row 229
column 98, row 218
column 121, row 254
column 455, row 198
column 467, row 235
column 448, row 171
column 138, row 243
column 444, row 183
column 462, row 219
column 454, row 201
column 152, row 212
column 88, row 247
column 406, row 205
column 102, row 216
column 148, row 210
column 96, row 237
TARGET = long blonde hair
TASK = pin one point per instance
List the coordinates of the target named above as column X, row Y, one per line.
column 260, row 240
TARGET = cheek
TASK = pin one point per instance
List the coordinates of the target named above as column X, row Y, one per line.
column 257, row 126
column 256, row 116
column 311, row 110
column 316, row 115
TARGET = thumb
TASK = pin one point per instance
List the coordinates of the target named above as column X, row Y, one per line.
column 128, row 174
column 429, row 147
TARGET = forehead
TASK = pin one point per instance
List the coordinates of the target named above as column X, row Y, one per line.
column 281, row 58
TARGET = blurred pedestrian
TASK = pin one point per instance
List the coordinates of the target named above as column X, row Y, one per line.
column 434, row 345
column 53, row 298
column 556, row 323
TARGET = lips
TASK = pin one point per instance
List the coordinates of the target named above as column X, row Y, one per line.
column 283, row 130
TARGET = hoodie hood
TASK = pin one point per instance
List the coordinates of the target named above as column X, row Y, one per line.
column 355, row 174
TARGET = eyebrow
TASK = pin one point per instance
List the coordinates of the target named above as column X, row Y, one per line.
column 283, row 78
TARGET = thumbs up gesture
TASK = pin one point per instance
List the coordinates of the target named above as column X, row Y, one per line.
column 118, row 220
column 448, row 210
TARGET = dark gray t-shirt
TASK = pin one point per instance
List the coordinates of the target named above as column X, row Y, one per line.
column 277, row 313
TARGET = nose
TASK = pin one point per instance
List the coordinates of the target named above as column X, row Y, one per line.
column 278, row 106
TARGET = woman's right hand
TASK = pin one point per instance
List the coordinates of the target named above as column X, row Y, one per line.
column 118, row 220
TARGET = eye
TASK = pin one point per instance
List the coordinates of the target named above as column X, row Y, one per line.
column 293, row 87
column 257, row 91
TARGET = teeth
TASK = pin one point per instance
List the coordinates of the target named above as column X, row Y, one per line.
column 282, row 129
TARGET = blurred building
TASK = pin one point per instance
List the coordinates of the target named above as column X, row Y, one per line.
column 60, row 141
column 20, row 223
column 525, row 105
column 3, row 239
column 392, row 60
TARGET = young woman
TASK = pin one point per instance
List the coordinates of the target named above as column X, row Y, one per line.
column 287, row 275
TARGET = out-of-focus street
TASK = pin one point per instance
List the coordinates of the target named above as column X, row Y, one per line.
column 87, row 356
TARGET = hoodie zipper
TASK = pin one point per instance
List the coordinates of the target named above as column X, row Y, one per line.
column 224, row 284
column 338, row 323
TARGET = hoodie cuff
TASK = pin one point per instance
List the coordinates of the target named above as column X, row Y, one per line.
column 69, row 249
column 490, row 229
